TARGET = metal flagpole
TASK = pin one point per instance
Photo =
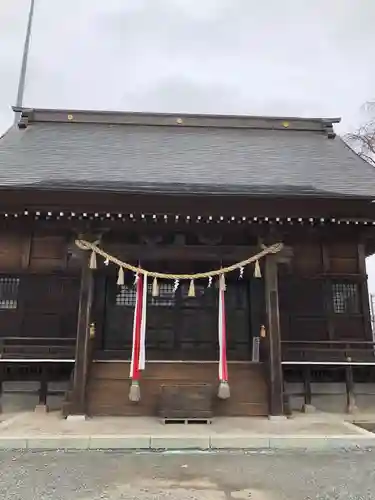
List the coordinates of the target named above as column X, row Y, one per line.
column 25, row 55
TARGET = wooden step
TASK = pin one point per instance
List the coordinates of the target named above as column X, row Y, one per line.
column 187, row 421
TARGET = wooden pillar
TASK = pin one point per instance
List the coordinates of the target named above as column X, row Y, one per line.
column 308, row 407
column 307, row 385
column 351, row 406
column 275, row 378
column 42, row 407
column 82, row 355
column 327, row 287
column 43, row 389
column 256, row 290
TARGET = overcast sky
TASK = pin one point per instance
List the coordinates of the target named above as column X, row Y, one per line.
column 275, row 57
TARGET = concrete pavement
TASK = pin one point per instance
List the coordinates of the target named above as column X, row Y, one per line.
column 34, row 431
column 104, row 475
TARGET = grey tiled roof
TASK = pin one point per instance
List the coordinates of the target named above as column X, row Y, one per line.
column 188, row 159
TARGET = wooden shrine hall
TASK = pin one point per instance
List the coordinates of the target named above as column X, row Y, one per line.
column 182, row 265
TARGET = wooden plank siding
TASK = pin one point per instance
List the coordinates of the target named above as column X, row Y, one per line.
column 323, row 298
column 107, row 392
column 39, row 291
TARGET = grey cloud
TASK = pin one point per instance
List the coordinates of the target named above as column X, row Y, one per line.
column 178, row 94
column 227, row 56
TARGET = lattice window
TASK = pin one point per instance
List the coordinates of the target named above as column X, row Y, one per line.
column 345, row 298
column 166, row 295
column 125, row 296
column 9, row 292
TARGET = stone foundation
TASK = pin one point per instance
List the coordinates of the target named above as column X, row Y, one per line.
column 326, row 397
column 331, row 397
column 23, row 396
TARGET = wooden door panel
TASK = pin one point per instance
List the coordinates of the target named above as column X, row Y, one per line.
column 9, row 323
column 49, row 305
column 179, row 327
column 38, row 306
column 41, row 324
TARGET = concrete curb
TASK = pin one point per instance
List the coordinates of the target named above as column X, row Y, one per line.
column 193, row 442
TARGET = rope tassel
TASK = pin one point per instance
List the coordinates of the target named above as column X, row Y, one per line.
column 222, row 283
column 191, row 292
column 257, row 271
column 155, row 288
column 93, row 264
column 121, row 277
column 223, row 391
column 134, row 392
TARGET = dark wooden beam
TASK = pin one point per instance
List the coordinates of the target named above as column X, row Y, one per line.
column 182, row 204
column 275, row 380
column 285, row 256
column 326, row 266
column 184, row 252
column 82, row 355
column 26, row 250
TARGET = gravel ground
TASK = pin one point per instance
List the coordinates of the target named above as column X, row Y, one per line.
column 178, row 476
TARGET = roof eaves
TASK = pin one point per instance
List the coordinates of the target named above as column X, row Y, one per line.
column 266, row 191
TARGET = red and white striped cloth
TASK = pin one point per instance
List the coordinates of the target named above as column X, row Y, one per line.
column 223, row 366
column 138, row 359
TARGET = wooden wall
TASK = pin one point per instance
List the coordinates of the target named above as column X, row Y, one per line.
column 39, row 284
column 39, row 251
column 108, row 387
column 323, row 292
column 322, row 268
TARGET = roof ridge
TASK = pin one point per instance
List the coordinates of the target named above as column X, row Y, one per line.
column 29, row 115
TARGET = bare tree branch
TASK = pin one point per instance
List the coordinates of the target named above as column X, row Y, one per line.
column 363, row 139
